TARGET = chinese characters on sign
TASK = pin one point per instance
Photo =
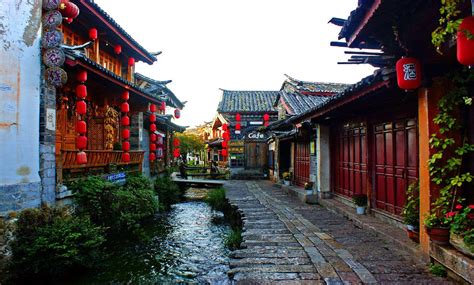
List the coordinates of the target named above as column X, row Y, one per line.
column 50, row 119
column 409, row 71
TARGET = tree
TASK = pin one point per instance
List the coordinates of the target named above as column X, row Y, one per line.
column 190, row 143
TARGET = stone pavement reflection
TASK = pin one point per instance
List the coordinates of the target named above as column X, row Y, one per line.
column 288, row 242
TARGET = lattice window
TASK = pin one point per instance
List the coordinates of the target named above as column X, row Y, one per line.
column 109, row 62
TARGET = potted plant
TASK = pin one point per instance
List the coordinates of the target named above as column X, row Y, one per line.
column 411, row 212
column 437, row 227
column 286, row 178
column 308, row 186
column 462, row 229
column 360, row 200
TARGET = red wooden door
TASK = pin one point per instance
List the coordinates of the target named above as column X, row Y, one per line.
column 301, row 162
column 396, row 163
column 350, row 160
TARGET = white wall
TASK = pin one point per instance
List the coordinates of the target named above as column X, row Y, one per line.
column 19, row 91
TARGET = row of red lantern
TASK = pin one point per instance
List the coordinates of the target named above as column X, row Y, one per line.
column 152, row 119
column 81, row 110
column 237, row 124
column 225, row 140
column 125, row 123
column 176, row 150
column 93, row 35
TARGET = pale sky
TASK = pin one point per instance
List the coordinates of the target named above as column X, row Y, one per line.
column 235, row 45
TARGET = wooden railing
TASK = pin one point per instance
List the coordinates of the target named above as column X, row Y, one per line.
column 99, row 158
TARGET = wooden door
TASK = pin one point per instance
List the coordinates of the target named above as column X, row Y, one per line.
column 66, row 127
column 256, row 155
column 350, row 159
column 96, row 140
column 302, row 162
column 395, row 163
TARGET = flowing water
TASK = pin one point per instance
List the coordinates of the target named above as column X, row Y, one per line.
column 185, row 245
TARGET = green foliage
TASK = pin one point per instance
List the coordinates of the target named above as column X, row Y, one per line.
column 216, row 199
column 286, row 175
column 462, row 224
column 113, row 206
column 445, row 164
column 233, row 239
column 190, row 143
column 168, row 192
column 50, row 241
column 411, row 209
column 448, row 22
column 360, row 200
column 438, row 270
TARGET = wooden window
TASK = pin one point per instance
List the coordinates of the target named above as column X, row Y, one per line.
column 109, row 62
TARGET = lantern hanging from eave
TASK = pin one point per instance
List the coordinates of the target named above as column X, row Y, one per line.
column 81, row 76
column 125, row 95
column 81, row 127
column 81, row 91
column 237, row 127
column 163, row 106
column 152, row 108
column 125, row 133
column 152, row 156
column 225, row 153
column 81, row 157
column 126, row 157
column 226, row 136
column 93, row 34
column 69, row 20
column 465, row 41
column 266, row 117
column 408, row 73
column 152, row 147
column 81, row 142
column 237, row 117
column 69, row 9
column 225, row 127
column 153, row 138
column 266, row 123
column 126, row 146
column 131, row 61
column 152, row 118
column 224, row 144
column 152, row 128
column 177, row 113
column 125, row 108
column 81, row 107
column 125, row 121
column 176, row 152
column 176, row 142
column 118, row 49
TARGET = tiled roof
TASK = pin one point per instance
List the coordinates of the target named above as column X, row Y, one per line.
column 247, row 101
column 291, row 84
column 150, row 56
column 159, row 88
column 298, row 103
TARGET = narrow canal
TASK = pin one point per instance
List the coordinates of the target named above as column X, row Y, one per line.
column 184, row 245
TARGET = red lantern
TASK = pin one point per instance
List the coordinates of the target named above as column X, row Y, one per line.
column 81, row 107
column 224, row 153
column 224, row 144
column 237, row 127
column 81, row 142
column 118, row 49
column 163, row 106
column 152, row 108
column 152, row 156
column 69, row 20
column 125, row 95
column 177, row 113
column 125, row 108
column 226, row 136
column 266, row 123
column 465, row 46
column 93, row 34
column 225, row 127
column 69, row 9
column 126, row 146
column 176, row 153
column 126, row 157
column 131, row 61
column 176, row 142
column 81, row 91
column 408, row 73
column 152, row 147
column 81, row 127
column 237, row 117
column 125, row 133
column 153, row 138
column 152, row 128
column 125, row 121
column 266, row 117
column 152, row 118
column 82, row 76
column 81, row 157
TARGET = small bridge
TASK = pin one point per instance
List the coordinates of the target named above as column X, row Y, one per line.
column 205, row 183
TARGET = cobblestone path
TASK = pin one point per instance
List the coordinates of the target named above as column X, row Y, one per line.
column 286, row 241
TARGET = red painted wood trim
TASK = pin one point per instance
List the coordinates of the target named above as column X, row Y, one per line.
column 117, row 32
column 286, row 106
column 364, row 22
column 344, row 101
column 128, row 87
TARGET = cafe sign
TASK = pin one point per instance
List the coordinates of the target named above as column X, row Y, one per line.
column 256, row 136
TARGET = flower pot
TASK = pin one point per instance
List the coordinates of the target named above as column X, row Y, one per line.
column 458, row 242
column 414, row 235
column 412, row 227
column 439, row 235
column 286, row 182
column 360, row 210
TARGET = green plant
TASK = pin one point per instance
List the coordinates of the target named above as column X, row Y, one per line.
column 450, row 145
column 168, row 192
column 117, row 146
column 308, row 185
column 448, row 22
column 438, row 270
column 360, row 200
column 233, row 239
column 286, row 175
column 50, row 241
column 411, row 209
column 462, row 223
column 216, row 199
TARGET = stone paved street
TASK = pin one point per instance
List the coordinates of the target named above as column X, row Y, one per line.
column 289, row 242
